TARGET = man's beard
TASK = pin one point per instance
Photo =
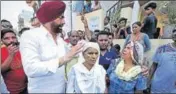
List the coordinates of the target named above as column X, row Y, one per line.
column 57, row 28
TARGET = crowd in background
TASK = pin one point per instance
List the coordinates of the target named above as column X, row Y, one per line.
column 89, row 61
column 82, row 7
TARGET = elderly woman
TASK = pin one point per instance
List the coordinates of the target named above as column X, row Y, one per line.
column 125, row 74
column 87, row 76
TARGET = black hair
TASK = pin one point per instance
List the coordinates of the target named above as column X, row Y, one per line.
column 102, row 33
column 97, row 31
column 122, row 19
column 107, row 17
column 173, row 31
column 117, row 47
column 23, row 29
column 152, row 5
column 115, row 25
column 4, row 20
column 111, row 34
column 107, row 29
column 92, row 40
column 6, row 30
column 6, row 25
column 138, row 23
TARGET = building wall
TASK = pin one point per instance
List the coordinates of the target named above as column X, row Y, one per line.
column 107, row 5
column 126, row 13
column 94, row 19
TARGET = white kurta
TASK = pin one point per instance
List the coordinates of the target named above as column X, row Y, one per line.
column 81, row 80
column 40, row 59
column 3, row 86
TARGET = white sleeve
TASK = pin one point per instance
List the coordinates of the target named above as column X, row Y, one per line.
column 103, row 86
column 71, row 82
column 33, row 66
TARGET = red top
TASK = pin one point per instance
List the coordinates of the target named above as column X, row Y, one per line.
column 15, row 78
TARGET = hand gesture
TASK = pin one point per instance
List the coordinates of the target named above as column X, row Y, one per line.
column 77, row 48
column 12, row 49
column 83, row 19
column 145, row 70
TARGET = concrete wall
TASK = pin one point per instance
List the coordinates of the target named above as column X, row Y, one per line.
column 126, row 13
column 95, row 20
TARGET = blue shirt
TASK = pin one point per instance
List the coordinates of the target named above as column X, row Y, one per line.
column 144, row 40
column 107, row 58
column 120, row 86
column 88, row 8
column 164, row 80
column 117, row 54
column 150, row 24
column 78, row 6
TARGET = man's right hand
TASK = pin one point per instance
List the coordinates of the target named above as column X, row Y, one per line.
column 74, row 51
column 78, row 48
column 12, row 49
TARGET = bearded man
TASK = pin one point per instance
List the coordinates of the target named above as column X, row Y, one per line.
column 43, row 51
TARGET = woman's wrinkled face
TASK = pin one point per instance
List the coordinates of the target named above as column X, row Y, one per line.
column 126, row 53
column 136, row 28
column 90, row 55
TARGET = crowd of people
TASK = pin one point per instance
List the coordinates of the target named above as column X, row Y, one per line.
column 149, row 24
column 82, row 7
column 42, row 61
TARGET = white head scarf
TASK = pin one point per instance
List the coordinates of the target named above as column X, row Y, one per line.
column 137, row 57
column 92, row 81
column 86, row 46
column 137, row 52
